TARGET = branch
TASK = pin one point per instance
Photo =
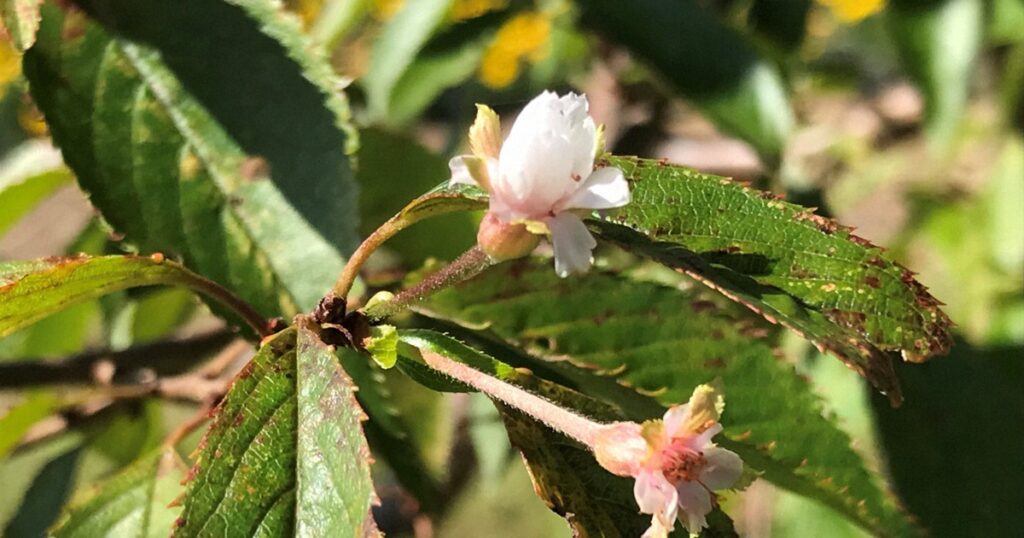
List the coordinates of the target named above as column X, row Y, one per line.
column 164, row 357
column 205, row 386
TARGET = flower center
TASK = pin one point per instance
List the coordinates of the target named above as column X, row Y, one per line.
column 680, row 463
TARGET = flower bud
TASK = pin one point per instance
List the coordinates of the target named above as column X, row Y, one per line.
column 620, row 448
column 503, row 241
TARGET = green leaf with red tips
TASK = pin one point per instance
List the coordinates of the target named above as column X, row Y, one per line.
column 285, row 454
column 32, row 290
column 782, row 261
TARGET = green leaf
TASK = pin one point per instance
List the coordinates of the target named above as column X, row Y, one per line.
column 21, row 468
column 430, row 75
column 213, row 132
column 566, row 476
column 28, row 175
column 21, row 417
column 664, row 342
column 334, row 487
column 382, row 344
column 32, row 290
column 285, row 454
column 705, row 61
column 396, row 49
column 40, row 507
column 135, row 502
column 954, row 449
column 391, row 435
column 782, row 261
column 21, row 20
column 939, row 41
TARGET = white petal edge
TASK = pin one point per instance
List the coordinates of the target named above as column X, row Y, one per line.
column 695, row 502
column 572, row 243
column 605, row 188
column 657, row 496
column 722, row 470
column 460, row 171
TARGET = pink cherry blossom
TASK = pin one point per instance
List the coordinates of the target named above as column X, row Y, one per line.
column 676, row 465
column 543, row 178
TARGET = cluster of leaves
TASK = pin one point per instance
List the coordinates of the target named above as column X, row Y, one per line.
column 216, row 135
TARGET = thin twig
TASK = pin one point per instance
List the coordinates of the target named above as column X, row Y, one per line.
column 205, row 386
column 192, row 424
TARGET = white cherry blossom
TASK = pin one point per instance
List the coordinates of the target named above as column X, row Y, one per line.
column 542, row 179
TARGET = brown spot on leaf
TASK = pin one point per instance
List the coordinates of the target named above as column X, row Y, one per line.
column 254, row 168
column 847, row 318
column 702, row 306
column 716, row 363
column 873, row 281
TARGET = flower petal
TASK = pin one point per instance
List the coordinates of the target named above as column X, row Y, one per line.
column 605, row 188
column 657, row 529
column 695, row 502
column 706, row 405
column 548, row 151
column 460, row 171
column 722, row 470
column 572, row 243
column 656, row 496
column 485, row 133
column 582, row 133
column 472, row 170
column 700, row 442
column 676, row 419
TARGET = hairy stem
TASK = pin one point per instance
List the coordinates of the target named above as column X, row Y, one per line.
column 557, row 418
column 468, row 265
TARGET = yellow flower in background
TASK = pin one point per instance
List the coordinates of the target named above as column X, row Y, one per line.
column 308, row 10
column 10, row 64
column 471, row 9
column 524, row 36
column 851, row 11
column 385, row 9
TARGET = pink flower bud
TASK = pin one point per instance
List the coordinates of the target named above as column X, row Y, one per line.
column 505, row 241
column 621, row 448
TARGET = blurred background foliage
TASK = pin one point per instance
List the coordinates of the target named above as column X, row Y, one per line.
column 903, row 118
